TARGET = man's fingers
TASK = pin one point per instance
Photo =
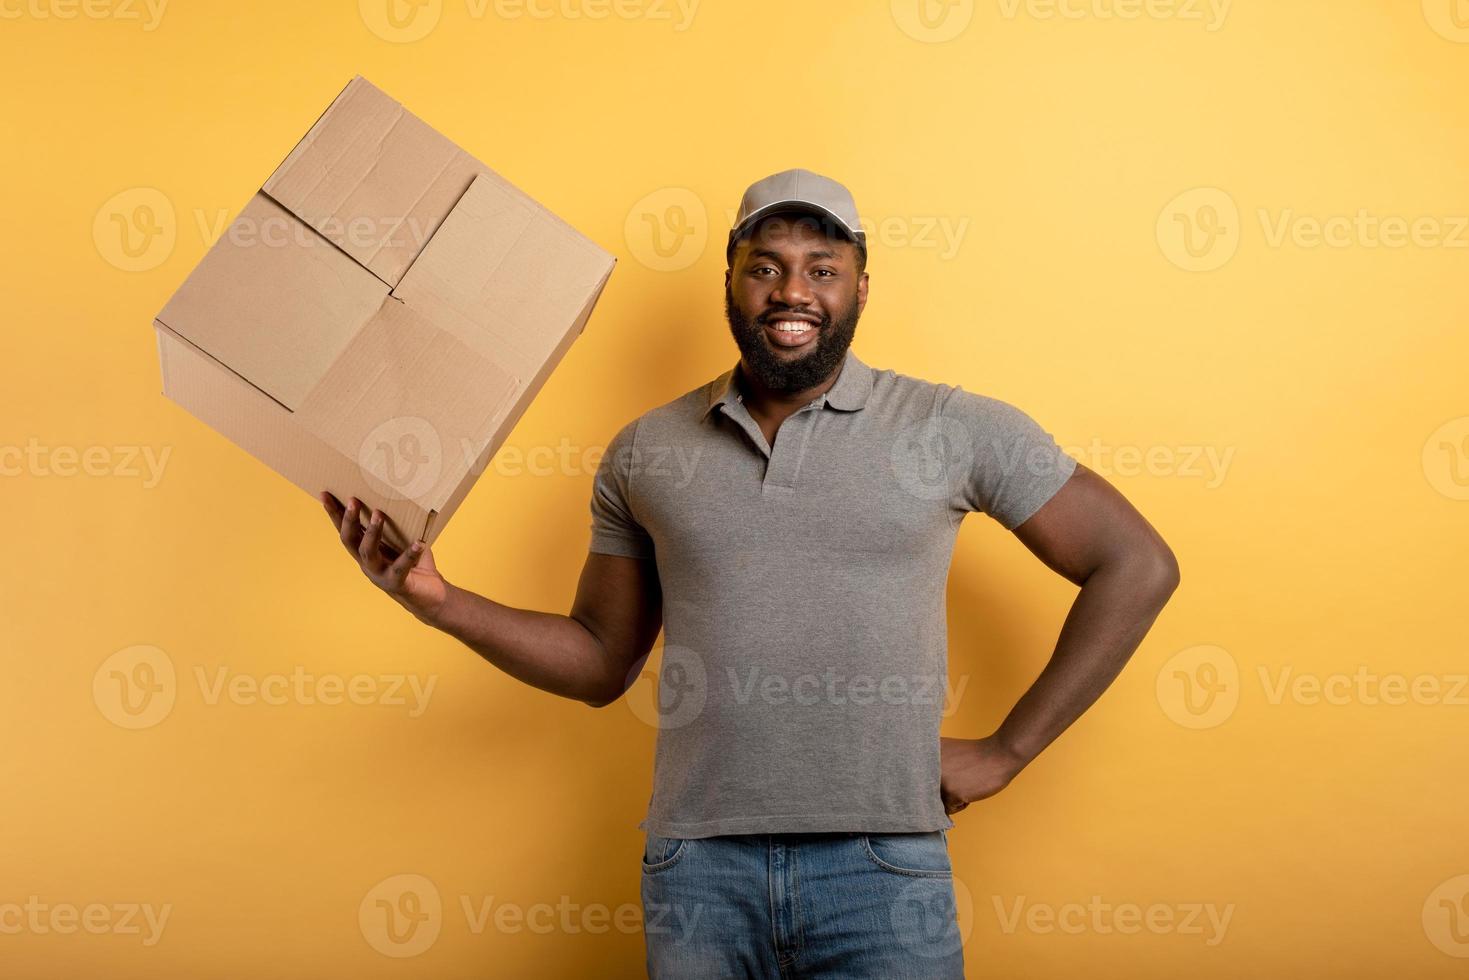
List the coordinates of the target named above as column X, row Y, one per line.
column 368, row 546
column 367, row 549
column 335, row 510
column 403, row 564
column 350, row 531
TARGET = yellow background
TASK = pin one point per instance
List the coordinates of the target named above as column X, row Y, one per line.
column 1331, row 544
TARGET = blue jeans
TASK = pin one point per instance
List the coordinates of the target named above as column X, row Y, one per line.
column 787, row 906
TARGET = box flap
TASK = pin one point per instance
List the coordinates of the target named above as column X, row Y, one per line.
column 274, row 302
column 528, row 391
column 411, row 404
column 506, row 278
column 272, row 435
column 374, row 179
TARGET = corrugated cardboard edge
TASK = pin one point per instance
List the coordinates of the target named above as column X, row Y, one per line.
column 159, row 324
column 311, row 131
column 265, row 429
column 522, row 403
column 483, row 168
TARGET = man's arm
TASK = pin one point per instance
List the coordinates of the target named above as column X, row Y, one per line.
column 1090, row 534
column 591, row 655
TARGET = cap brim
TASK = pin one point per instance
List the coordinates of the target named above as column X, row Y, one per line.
column 855, row 235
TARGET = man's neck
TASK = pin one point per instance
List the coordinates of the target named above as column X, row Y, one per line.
column 766, row 402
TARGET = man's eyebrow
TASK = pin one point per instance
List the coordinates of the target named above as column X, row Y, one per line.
column 815, row 253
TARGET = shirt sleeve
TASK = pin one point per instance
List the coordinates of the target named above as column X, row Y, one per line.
column 614, row 529
column 1006, row 464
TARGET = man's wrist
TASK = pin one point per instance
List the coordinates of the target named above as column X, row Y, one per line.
column 442, row 616
column 1016, row 755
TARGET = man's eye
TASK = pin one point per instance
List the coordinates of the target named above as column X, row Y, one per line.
column 825, row 272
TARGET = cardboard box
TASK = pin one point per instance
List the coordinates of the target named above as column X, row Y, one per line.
column 380, row 315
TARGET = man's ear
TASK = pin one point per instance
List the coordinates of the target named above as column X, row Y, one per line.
column 727, row 274
column 862, row 293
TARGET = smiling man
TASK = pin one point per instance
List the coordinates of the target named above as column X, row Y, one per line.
column 798, row 824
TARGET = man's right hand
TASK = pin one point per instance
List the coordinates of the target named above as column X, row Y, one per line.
column 410, row 577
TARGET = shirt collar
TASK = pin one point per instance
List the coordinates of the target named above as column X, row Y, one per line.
column 848, row 394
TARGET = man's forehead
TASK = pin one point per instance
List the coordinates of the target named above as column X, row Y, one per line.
column 782, row 236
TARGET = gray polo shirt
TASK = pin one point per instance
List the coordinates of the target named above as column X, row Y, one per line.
column 805, row 653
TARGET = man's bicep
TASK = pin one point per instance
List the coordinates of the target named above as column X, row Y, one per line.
column 615, row 529
column 1002, row 462
column 1085, row 524
column 619, row 599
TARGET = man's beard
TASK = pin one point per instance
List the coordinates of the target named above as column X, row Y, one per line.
column 833, row 337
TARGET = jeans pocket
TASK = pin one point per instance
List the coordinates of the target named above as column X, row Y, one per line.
column 661, row 853
column 923, row 855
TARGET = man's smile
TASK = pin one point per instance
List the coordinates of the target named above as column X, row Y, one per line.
column 791, row 330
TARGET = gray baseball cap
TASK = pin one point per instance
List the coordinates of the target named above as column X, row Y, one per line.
column 799, row 190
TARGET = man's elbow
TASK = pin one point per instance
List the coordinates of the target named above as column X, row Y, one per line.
column 600, row 699
column 603, row 697
column 1159, row 575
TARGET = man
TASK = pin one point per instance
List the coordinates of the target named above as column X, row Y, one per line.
column 801, row 793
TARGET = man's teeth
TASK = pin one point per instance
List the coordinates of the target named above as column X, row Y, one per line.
column 793, row 326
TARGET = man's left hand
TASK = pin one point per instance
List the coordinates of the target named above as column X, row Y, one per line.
column 973, row 769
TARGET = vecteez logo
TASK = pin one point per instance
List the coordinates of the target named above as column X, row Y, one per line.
column 1199, row 687
column 667, row 230
column 402, row 457
column 929, row 455
column 1446, row 459
column 401, row 21
column 37, row 917
column 1448, row 18
column 406, row 21
column 401, row 916
column 1199, row 230
column 673, row 697
column 138, row 687
column 932, row 21
column 1446, row 917
column 135, row 230
column 147, row 14
column 135, row 687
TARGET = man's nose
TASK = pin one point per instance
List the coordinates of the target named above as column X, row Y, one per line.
column 792, row 291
